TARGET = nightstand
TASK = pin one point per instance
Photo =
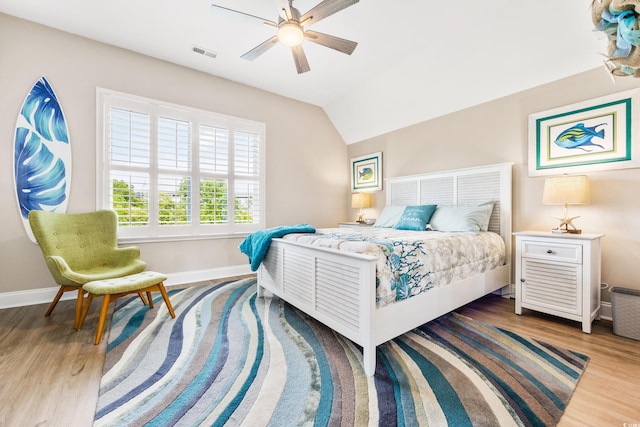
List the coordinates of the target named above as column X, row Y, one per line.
column 559, row 274
column 353, row 224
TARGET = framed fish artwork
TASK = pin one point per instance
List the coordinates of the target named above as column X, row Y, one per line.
column 589, row 136
column 366, row 173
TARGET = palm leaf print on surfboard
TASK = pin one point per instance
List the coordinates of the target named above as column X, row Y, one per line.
column 42, row 154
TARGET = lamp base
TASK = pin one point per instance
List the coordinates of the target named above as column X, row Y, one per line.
column 566, row 225
column 558, row 231
column 565, row 231
column 360, row 219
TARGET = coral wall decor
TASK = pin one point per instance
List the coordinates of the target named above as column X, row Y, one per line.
column 619, row 20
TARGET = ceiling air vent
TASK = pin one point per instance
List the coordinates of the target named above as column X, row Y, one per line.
column 205, row 52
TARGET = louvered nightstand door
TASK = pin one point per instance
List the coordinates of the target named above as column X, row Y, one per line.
column 553, row 286
column 559, row 274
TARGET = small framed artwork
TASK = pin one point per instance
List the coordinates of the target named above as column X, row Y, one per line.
column 588, row 136
column 366, row 172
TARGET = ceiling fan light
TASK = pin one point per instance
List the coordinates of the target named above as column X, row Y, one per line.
column 290, row 34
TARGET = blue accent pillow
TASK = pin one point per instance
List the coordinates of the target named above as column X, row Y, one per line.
column 416, row 217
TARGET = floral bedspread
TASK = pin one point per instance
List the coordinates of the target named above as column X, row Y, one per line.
column 412, row 262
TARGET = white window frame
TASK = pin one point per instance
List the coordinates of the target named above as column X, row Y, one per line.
column 106, row 99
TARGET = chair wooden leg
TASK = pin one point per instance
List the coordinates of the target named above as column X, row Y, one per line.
column 141, row 295
column 103, row 315
column 150, row 299
column 55, row 301
column 79, row 300
column 85, row 309
column 165, row 297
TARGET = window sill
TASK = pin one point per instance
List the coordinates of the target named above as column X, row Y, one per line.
column 161, row 239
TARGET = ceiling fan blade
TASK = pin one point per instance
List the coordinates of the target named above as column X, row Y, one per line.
column 333, row 42
column 300, row 59
column 324, row 9
column 235, row 14
column 260, row 49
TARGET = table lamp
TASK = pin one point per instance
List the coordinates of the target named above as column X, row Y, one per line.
column 360, row 201
column 566, row 190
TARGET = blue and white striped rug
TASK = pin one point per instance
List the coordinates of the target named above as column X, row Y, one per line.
column 232, row 359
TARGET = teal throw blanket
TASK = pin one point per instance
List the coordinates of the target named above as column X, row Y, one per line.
column 256, row 244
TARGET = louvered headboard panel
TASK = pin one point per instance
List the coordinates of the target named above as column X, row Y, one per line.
column 460, row 186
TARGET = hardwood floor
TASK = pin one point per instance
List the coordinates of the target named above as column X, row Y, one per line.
column 608, row 393
column 50, row 373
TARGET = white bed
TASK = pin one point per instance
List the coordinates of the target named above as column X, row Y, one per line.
column 338, row 288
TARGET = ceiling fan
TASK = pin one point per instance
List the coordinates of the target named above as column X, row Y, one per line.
column 293, row 30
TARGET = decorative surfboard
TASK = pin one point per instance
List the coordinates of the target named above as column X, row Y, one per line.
column 41, row 154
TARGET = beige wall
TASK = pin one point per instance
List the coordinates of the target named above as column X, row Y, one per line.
column 307, row 172
column 306, row 158
column 496, row 132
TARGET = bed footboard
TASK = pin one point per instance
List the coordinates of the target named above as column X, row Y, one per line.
column 336, row 289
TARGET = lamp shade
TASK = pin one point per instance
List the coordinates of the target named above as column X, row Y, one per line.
column 565, row 189
column 360, row 200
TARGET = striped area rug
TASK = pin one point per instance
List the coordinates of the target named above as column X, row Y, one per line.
column 230, row 358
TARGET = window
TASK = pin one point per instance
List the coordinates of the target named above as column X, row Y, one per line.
column 174, row 172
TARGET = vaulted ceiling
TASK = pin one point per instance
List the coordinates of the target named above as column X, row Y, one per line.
column 415, row 59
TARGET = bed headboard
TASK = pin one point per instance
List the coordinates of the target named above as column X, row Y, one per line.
column 459, row 186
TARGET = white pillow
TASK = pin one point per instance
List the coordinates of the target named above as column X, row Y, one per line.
column 390, row 216
column 462, row 217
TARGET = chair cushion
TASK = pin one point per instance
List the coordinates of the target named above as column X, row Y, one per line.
column 100, row 272
column 131, row 283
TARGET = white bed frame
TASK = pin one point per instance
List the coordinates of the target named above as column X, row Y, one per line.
column 338, row 288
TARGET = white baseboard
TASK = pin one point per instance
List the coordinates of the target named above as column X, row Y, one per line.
column 508, row 291
column 176, row 279
column 46, row 295
column 605, row 311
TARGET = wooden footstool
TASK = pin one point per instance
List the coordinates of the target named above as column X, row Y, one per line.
column 112, row 289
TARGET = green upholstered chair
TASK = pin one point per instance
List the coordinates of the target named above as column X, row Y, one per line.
column 81, row 248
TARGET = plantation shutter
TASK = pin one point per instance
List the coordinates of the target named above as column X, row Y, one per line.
column 247, row 173
column 175, row 172
column 129, row 142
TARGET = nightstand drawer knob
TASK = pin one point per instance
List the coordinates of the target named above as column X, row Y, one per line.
column 549, row 251
column 522, row 280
